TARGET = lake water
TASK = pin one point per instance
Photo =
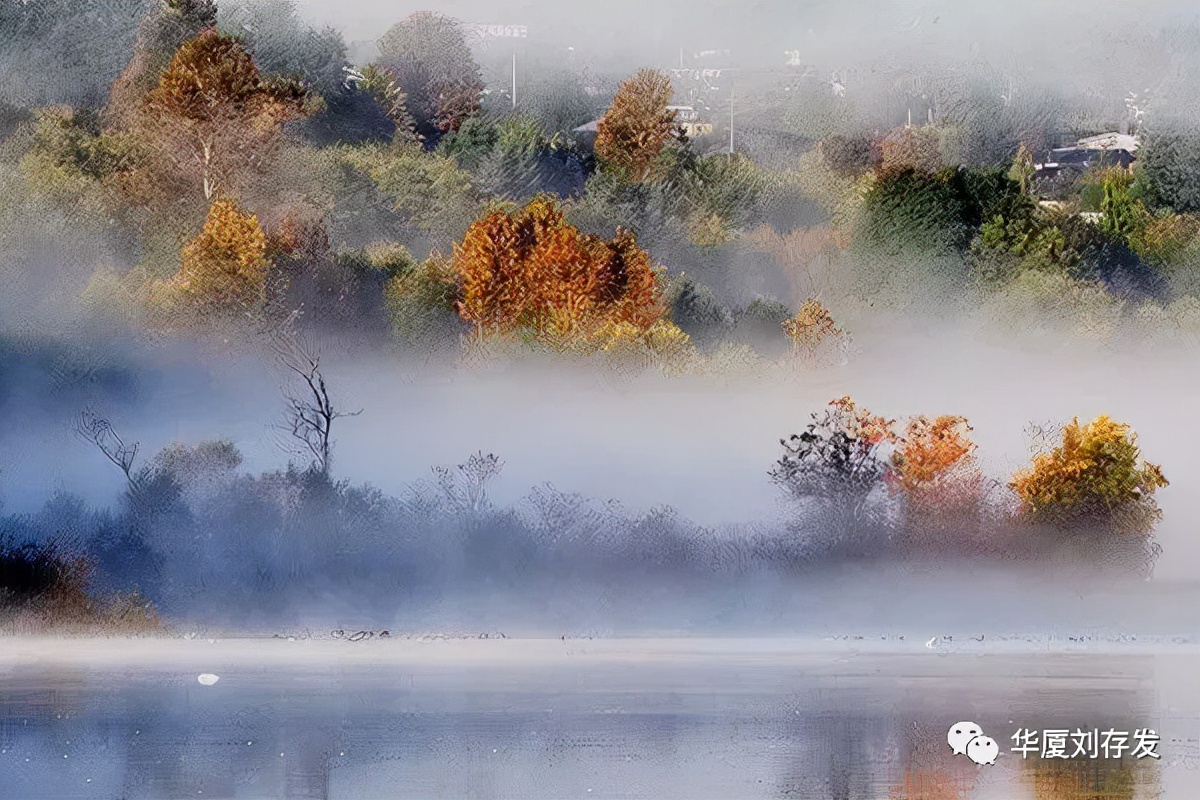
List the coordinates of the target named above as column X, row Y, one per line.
column 580, row 718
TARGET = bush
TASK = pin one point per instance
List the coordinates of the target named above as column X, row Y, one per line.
column 1093, row 478
column 422, row 301
column 1169, row 167
column 933, row 470
column 529, row 270
column 838, row 463
column 697, row 312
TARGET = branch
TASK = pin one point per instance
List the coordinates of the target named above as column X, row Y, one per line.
column 98, row 431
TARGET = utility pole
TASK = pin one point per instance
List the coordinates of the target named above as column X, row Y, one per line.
column 731, row 124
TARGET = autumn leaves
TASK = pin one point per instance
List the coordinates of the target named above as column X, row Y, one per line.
column 922, row 486
column 531, row 270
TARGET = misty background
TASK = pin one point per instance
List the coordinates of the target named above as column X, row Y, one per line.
column 700, row 445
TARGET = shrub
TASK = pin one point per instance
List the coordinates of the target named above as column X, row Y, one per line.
column 422, row 299
column 1092, row 478
column 530, row 270
column 838, row 463
column 933, row 469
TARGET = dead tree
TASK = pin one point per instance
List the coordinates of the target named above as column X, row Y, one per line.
column 311, row 411
column 97, row 430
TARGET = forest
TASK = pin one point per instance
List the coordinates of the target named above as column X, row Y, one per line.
column 222, row 175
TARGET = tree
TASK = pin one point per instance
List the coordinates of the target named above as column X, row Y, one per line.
column 634, row 132
column 392, row 100
column 212, row 114
column 1022, row 169
column 161, row 33
column 1122, row 214
column 1169, row 167
column 906, row 208
column 429, row 58
column 64, row 51
column 1092, row 478
column 225, row 265
column 282, row 44
column 933, row 469
column 529, row 269
column 911, row 148
column 838, row 453
column 836, row 465
column 811, row 327
column 311, row 411
column 97, row 430
column 847, row 156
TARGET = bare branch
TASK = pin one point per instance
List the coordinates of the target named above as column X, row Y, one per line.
column 97, row 430
column 311, row 411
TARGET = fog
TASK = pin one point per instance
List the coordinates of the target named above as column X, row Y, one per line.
column 1103, row 51
column 701, row 445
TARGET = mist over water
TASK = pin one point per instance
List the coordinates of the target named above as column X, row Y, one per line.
column 701, row 445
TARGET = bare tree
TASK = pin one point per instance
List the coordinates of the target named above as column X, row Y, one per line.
column 95, row 429
column 311, row 411
column 466, row 485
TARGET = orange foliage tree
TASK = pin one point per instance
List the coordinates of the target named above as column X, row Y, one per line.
column 226, row 266
column 637, row 126
column 213, row 115
column 934, row 470
column 160, row 34
column 530, row 269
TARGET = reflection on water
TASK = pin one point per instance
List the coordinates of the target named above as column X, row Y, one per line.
column 1094, row 779
column 849, row 731
column 931, row 773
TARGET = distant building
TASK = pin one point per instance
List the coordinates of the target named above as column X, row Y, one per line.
column 1110, row 141
column 1080, row 159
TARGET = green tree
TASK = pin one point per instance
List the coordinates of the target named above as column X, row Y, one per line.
column 1022, row 170
column 1169, row 167
column 428, row 56
column 1123, row 215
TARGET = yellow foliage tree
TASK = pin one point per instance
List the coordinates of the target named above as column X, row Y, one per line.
column 531, row 270
column 637, row 126
column 1093, row 476
column 226, row 266
column 811, row 327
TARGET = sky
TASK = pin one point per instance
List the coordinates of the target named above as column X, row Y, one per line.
column 1093, row 49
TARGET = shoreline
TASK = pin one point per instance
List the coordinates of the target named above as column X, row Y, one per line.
column 430, row 650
